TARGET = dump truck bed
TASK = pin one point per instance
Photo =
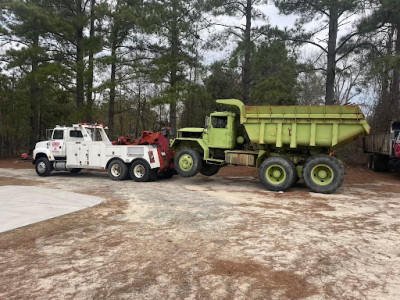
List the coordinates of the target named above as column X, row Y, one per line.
column 294, row 126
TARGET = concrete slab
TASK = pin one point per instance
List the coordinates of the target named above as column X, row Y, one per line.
column 24, row 205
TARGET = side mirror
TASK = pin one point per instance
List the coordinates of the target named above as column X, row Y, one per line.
column 207, row 121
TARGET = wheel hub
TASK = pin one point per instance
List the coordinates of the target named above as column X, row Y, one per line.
column 275, row 174
column 322, row 174
column 41, row 167
column 139, row 171
column 186, row 162
column 116, row 170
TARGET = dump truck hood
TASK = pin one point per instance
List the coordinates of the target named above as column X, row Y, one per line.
column 191, row 129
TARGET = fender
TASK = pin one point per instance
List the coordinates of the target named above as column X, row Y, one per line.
column 42, row 153
column 177, row 144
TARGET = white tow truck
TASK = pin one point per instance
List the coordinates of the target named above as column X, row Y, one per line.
column 86, row 146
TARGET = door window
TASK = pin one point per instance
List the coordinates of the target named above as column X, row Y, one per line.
column 58, row 135
column 219, row 122
column 75, row 134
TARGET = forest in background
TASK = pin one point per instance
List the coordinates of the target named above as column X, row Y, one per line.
column 141, row 65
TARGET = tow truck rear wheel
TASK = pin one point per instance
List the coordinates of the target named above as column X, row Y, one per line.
column 188, row 162
column 43, row 166
column 117, row 170
column 323, row 174
column 277, row 173
column 167, row 174
column 209, row 170
column 140, row 171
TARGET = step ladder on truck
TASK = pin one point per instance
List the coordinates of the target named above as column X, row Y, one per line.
column 87, row 146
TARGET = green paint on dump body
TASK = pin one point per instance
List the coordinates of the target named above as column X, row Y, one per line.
column 296, row 126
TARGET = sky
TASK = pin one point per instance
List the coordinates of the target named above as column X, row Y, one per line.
column 274, row 19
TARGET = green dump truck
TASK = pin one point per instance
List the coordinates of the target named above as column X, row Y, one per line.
column 285, row 143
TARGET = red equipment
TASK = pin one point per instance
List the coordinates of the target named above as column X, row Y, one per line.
column 160, row 139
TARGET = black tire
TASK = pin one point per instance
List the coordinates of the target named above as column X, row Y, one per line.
column 140, row 171
column 167, row 174
column 117, row 170
column 369, row 161
column 296, row 178
column 75, row 171
column 190, row 162
column 277, row 173
column 323, row 174
column 43, row 166
column 209, row 170
column 379, row 163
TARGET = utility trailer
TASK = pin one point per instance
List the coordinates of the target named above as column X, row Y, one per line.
column 285, row 143
column 383, row 149
column 86, row 146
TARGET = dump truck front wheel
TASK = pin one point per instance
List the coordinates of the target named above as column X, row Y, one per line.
column 117, row 170
column 209, row 170
column 323, row 174
column 43, row 166
column 188, row 162
column 277, row 173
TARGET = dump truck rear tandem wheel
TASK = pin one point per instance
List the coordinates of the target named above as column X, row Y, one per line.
column 323, row 174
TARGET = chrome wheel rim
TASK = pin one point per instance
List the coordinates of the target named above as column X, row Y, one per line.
column 41, row 167
column 139, row 171
column 116, row 170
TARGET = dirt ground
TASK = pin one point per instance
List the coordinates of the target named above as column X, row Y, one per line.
column 222, row 237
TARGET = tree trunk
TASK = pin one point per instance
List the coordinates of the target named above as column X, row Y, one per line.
column 174, row 69
column 35, row 99
column 80, row 68
column 111, row 105
column 172, row 118
column 246, row 76
column 139, row 110
column 382, row 111
column 395, row 89
column 331, row 65
column 89, row 95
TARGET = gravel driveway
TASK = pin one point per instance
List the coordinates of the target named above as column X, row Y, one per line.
column 222, row 237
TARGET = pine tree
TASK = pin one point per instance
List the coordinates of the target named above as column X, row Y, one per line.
column 247, row 34
column 175, row 23
column 333, row 13
column 28, row 24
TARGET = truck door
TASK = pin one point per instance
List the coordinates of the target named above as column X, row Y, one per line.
column 57, row 144
column 220, row 133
